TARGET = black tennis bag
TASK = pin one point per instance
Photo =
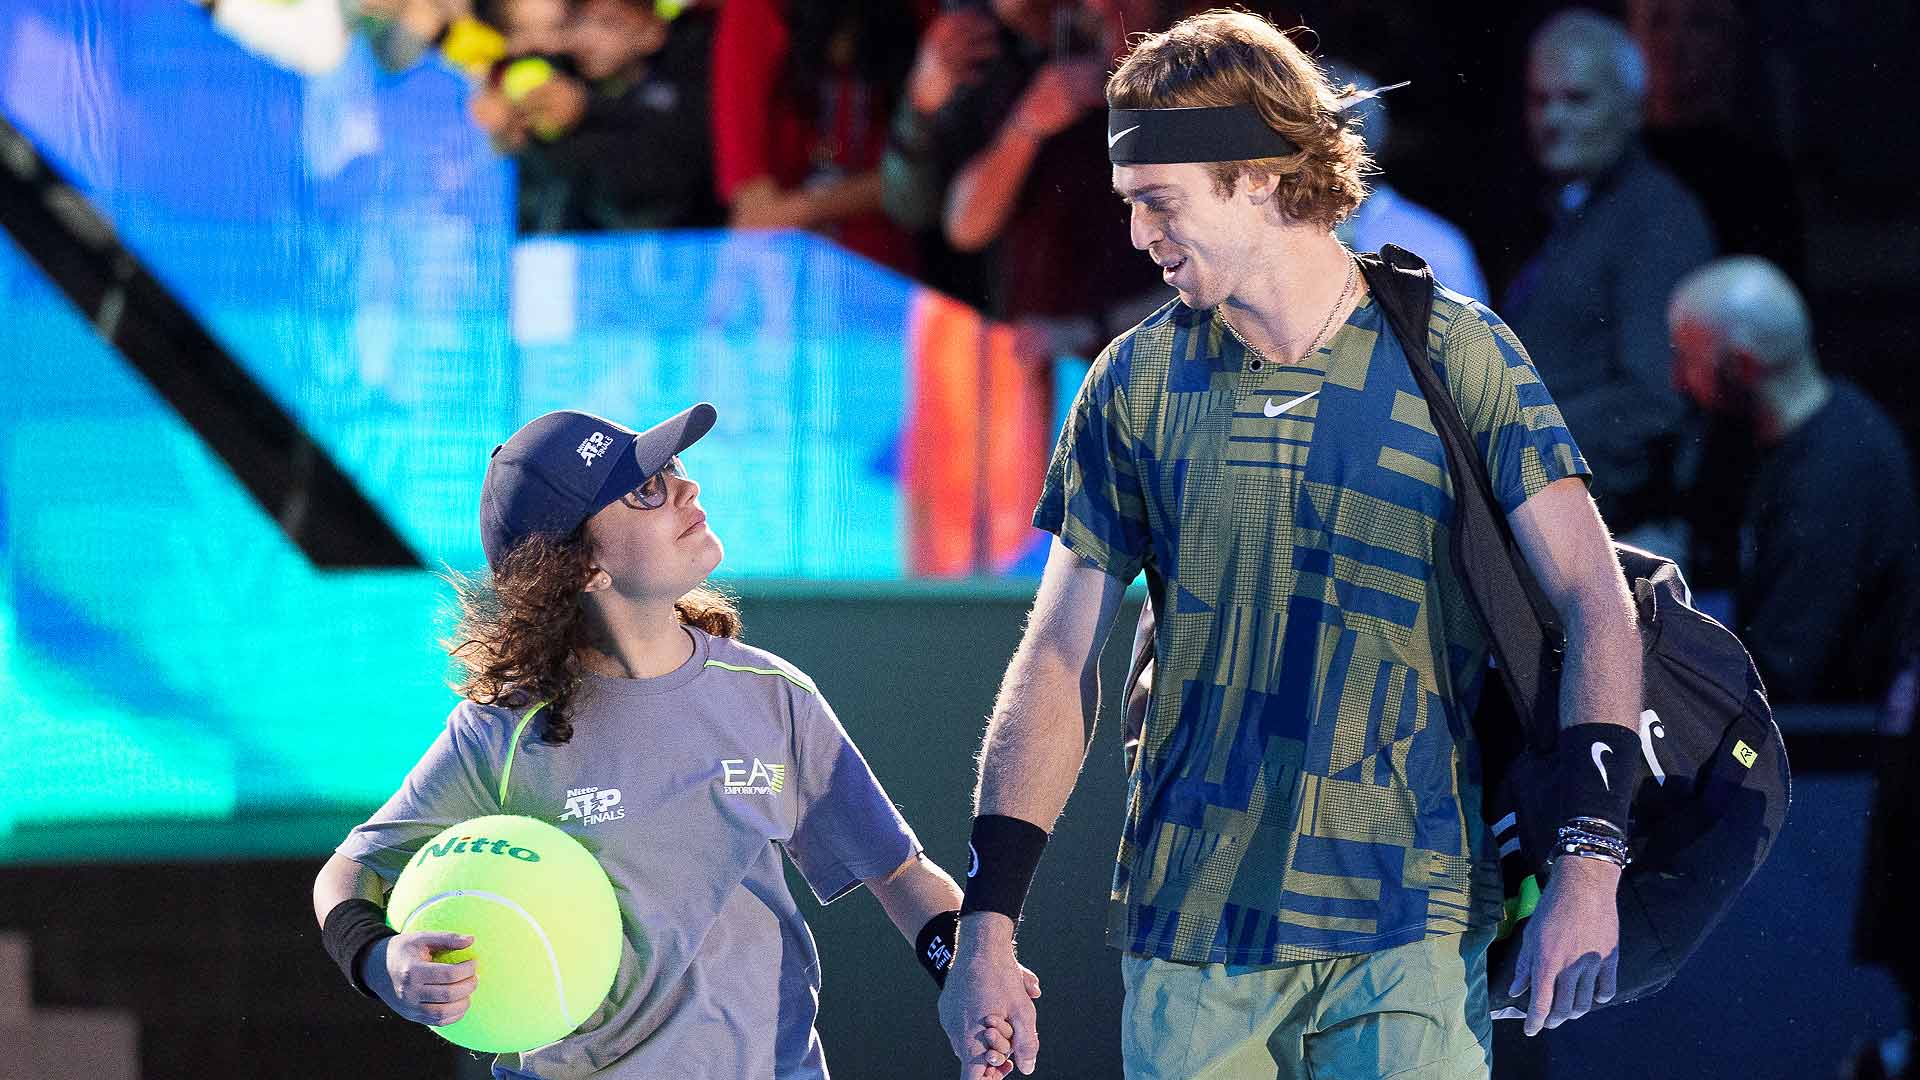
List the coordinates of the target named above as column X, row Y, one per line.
column 1717, row 787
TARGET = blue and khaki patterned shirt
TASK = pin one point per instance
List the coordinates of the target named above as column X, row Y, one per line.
column 1306, row 784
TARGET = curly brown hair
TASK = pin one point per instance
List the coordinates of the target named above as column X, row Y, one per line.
column 521, row 630
column 1226, row 57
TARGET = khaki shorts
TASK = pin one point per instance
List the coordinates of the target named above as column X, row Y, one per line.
column 1415, row 1012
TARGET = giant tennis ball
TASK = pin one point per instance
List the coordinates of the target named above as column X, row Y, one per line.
column 544, row 922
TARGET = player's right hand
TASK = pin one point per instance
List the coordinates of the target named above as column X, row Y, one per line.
column 988, row 991
column 403, row 972
column 994, row 1048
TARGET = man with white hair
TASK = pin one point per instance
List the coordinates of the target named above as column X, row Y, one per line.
column 1591, row 301
column 1829, row 534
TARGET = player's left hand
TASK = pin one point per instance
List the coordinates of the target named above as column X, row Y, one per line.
column 994, row 1045
column 990, row 1049
column 1570, row 953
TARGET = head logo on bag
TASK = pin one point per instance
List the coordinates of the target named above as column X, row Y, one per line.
column 1651, row 729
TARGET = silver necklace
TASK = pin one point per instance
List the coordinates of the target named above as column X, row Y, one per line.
column 1339, row 305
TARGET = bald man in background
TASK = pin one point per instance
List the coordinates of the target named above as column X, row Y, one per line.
column 1829, row 532
column 1590, row 303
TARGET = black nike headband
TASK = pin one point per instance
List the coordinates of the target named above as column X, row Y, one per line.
column 1172, row 136
column 1216, row 133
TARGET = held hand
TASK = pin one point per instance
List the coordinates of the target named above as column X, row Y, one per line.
column 952, row 52
column 1570, row 954
column 402, row 971
column 996, row 1033
column 995, row 1049
column 987, row 1007
column 1057, row 96
column 1031, row 981
column 556, row 106
column 496, row 116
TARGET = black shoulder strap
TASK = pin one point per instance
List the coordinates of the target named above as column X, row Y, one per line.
column 1523, row 630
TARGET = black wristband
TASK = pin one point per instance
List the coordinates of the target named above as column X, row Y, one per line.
column 352, row 927
column 1600, row 769
column 1005, row 852
column 934, row 946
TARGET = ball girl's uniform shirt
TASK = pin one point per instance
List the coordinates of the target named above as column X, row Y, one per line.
column 686, row 787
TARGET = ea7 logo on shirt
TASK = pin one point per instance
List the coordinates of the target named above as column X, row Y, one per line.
column 594, row 445
column 592, row 805
column 738, row 778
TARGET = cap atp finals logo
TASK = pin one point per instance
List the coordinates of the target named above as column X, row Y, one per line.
column 736, row 778
column 595, row 445
column 592, row 805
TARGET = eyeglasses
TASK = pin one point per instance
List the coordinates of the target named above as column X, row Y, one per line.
column 652, row 494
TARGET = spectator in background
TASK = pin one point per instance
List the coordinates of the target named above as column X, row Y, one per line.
column 1830, row 533
column 530, row 27
column 1007, row 149
column 1591, row 302
column 612, row 134
column 801, row 93
column 960, row 47
column 1388, row 217
column 472, row 39
column 1699, row 86
column 953, row 55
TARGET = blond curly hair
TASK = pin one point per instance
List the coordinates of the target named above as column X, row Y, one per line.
column 1226, row 57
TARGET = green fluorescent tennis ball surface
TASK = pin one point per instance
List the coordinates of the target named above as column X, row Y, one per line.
column 542, row 914
column 522, row 77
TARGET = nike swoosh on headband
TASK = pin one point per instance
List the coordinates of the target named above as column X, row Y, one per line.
column 1118, row 135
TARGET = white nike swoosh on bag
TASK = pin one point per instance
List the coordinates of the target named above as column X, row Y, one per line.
column 1118, row 135
column 1600, row 749
column 1273, row 410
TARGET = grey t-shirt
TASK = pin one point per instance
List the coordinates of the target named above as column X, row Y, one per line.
column 685, row 787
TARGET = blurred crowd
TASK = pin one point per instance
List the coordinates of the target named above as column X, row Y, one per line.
column 1663, row 297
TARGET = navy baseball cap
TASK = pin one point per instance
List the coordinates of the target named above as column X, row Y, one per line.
column 564, row 467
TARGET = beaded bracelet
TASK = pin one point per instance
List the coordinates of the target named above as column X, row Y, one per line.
column 1598, row 825
column 1573, row 840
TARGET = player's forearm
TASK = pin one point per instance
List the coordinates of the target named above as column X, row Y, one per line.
column 915, row 893
column 1037, row 739
column 1601, row 682
column 343, row 879
column 984, row 193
